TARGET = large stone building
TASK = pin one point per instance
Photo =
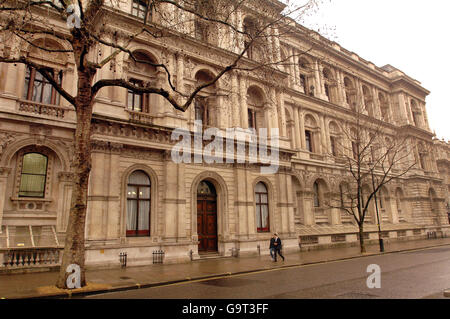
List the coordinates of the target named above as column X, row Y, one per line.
column 141, row 201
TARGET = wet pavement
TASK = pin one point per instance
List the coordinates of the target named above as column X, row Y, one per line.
column 38, row 285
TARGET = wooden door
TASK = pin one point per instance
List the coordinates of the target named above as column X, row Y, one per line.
column 207, row 223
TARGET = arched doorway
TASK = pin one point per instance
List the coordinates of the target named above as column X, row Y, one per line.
column 207, row 217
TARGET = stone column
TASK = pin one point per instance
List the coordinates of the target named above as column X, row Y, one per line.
column 376, row 104
column 119, row 94
column 64, row 200
column 302, row 130
column 277, row 45
column 113, row 191
column 97, row 194
column 340, row 88
column 294, row 61
column 170, row 201
column 241, row 204
column 360, row 97
column 308, row 207
column 404, row 116
column 324, row 149
column 235, row 90
column 290, row 206
column 280, row 102
column 297, row 136
column 274, row 123
column 180, row 72
column 4, row 173
column 282, row 204
column 14, row 76
column 243, row 95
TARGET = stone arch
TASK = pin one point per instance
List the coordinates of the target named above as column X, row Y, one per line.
column 149, row 52
column 154, row 192
column 256, row 107
column 143, row 54
column 49, row 42
column 222, row 204
column 13, row 148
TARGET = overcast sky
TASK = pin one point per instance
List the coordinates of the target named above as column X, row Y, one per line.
column 411, row 35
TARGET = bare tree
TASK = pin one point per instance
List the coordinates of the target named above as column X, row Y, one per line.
column 372, row 155
column 79, row 24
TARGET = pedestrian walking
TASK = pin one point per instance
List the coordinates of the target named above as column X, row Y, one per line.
column 275, row 247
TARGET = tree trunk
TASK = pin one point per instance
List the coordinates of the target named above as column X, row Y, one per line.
column 74, row 250
column 361, row 238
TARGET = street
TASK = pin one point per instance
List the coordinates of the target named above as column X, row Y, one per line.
column 415, row 274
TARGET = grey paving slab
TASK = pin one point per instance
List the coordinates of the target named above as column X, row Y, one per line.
column 30, row 285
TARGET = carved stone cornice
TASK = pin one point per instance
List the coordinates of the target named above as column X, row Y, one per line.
column 65, row 176
column 4, row 171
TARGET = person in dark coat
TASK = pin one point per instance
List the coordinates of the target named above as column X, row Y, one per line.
column 275, row 247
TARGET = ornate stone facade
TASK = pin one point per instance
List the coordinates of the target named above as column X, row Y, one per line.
column 309, row 95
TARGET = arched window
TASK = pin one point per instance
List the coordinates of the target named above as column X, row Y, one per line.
column 305, row 70
column 250, row 30
column 33, row 175
column 255, row 108
column 138, row 204
column 312, row 134
column 329, row 83
column 205, row 107
column 262, row 208
column 141, row 73
column 334, row 138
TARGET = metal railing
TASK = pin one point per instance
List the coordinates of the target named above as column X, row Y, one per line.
column 158, row 256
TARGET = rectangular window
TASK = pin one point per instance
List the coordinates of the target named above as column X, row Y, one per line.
column 201, row 31
column 355, row 150
column 303, row 82
column 327, row 91
column 137, row 102
column 333, row 145
column 139, row 8
column 251, row 118
column 309, row 143
column 38, row 89
column 33, row 176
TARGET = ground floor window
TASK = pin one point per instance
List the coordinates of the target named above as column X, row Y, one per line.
column 138, row 204
column 33, row 175
column 262, row 208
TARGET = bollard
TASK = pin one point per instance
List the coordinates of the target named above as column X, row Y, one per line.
column 123, row 259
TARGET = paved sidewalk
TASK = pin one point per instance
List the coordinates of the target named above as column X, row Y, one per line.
column 38, row 285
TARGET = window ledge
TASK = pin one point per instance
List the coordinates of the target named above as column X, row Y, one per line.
column 31, row 199
column 31, row 203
